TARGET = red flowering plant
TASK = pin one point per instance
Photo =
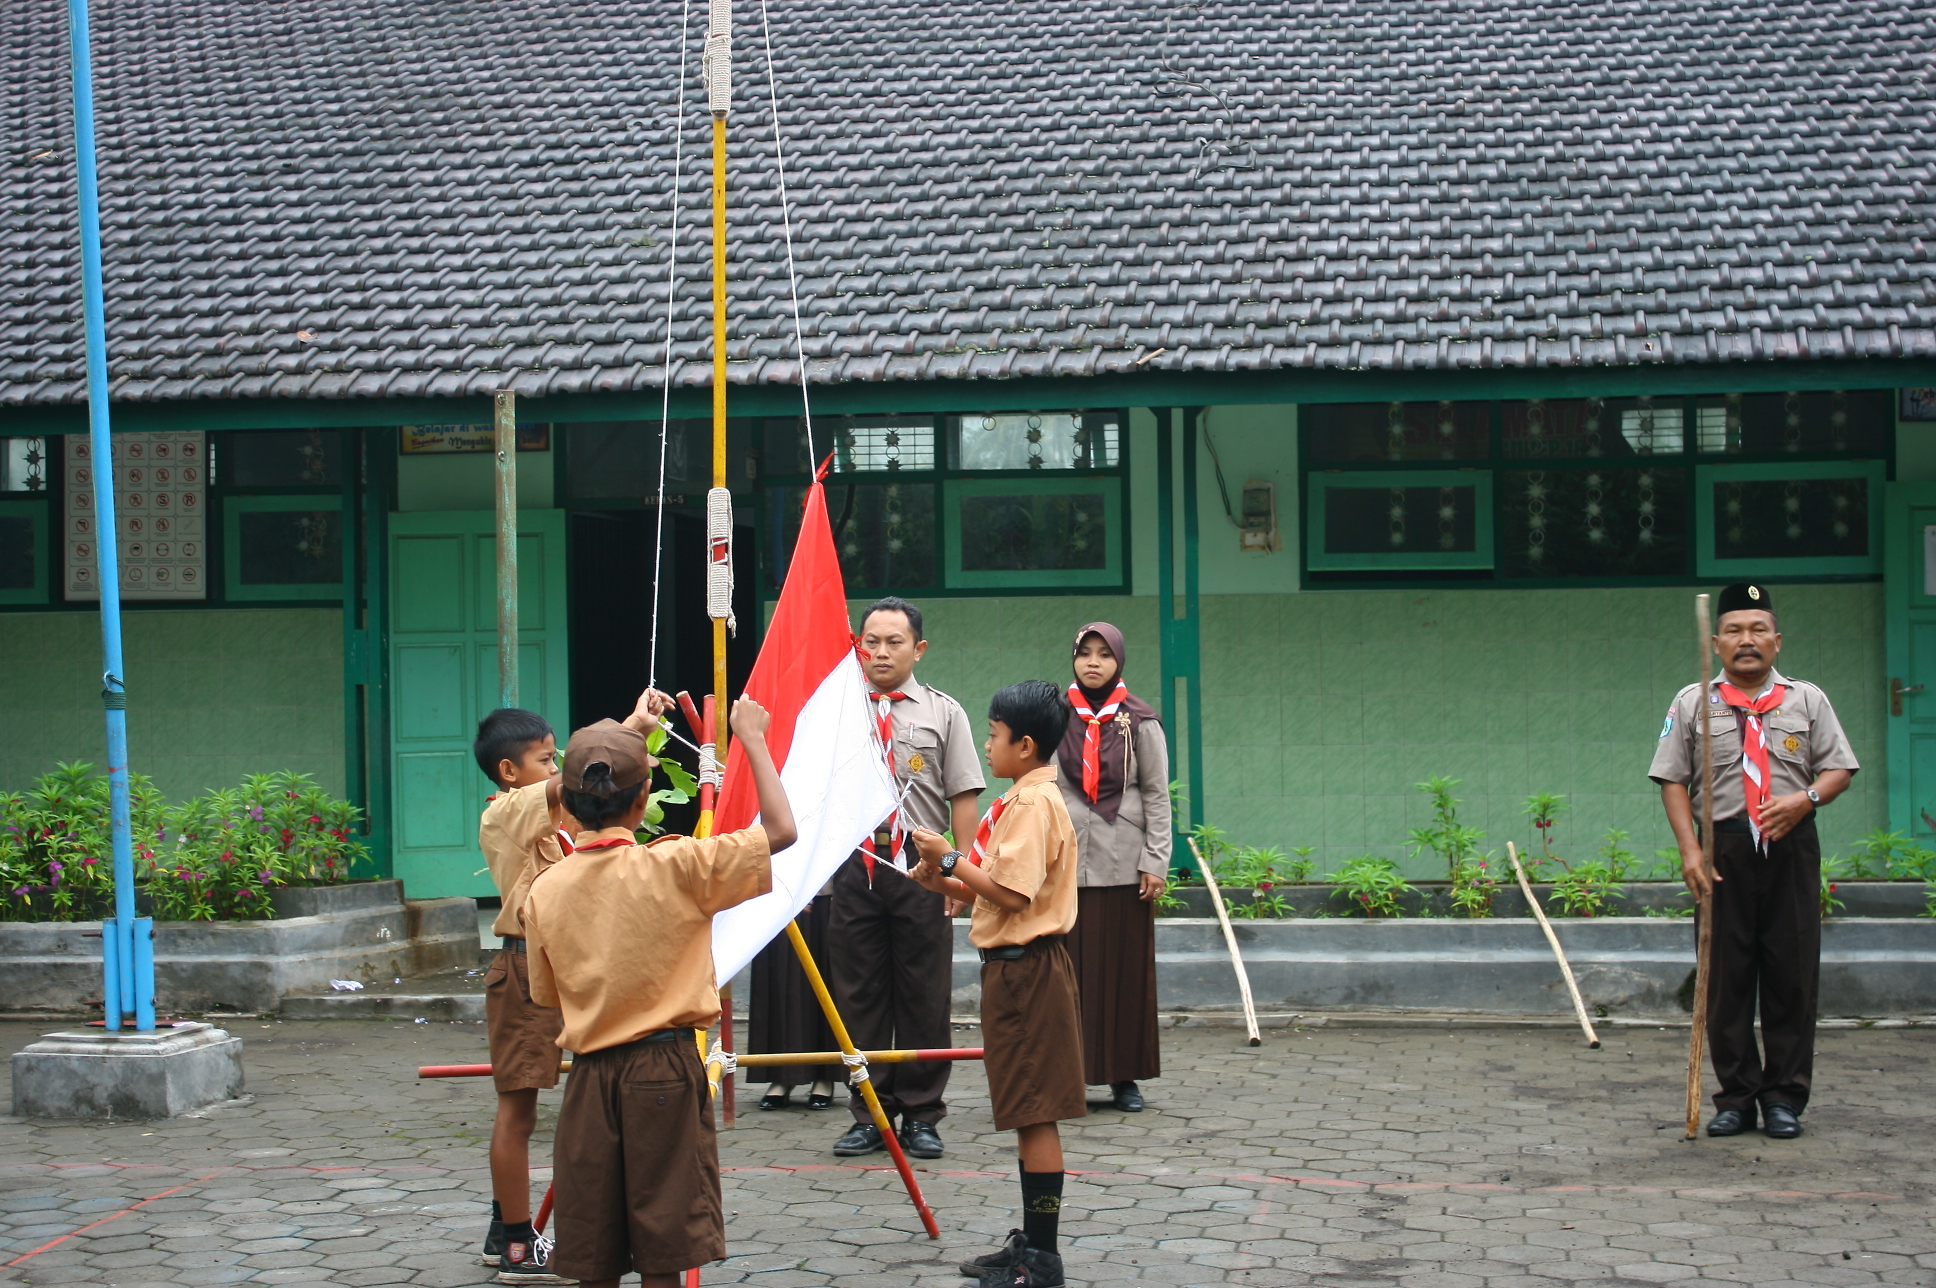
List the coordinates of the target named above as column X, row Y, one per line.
column 226, row 852
column 56, row 853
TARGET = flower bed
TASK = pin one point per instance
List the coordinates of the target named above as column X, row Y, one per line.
column 220, row 856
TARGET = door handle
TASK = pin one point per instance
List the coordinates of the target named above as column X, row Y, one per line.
column 1897, row 692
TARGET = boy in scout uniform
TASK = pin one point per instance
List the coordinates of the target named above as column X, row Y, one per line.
column 1021, row 874
column 1779, row 755
column 892, row 943
column 621, row 940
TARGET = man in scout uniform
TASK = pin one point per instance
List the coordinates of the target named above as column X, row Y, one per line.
column 1778, row 756
column 892, row 943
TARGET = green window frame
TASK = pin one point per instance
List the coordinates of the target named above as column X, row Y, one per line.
column 1875, row 473
column 233, row 510
column 1111, row 576
column 36, row 509
column 1318, row 485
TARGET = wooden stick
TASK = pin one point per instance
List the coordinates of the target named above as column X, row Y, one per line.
column 1566, row 971
column 1703, row 907
column 1230, row 939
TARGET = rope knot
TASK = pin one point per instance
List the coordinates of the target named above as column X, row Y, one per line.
column 856, row 1062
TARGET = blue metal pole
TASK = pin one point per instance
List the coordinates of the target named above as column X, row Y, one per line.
column 133, row 993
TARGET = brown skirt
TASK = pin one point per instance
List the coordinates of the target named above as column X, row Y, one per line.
column 1028, row 1020
column 1113, row 947
column 785, row 1015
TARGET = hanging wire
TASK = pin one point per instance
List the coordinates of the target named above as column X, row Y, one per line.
column 786, row 226
column 672, row 286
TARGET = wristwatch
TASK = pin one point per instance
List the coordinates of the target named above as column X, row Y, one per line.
column 948, row 862
column 1814, row 798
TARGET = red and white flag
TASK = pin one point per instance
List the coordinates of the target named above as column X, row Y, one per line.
column 822, row 737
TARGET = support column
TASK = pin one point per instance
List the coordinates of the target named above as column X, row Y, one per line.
column 1177, row 633
column 507, row 549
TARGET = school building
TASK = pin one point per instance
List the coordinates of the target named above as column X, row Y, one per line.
column 1393, row 375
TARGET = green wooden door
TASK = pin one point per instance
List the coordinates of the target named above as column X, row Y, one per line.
column 443, row 678
column 1909, row 590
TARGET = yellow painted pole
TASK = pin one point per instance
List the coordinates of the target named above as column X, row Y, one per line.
column 719, row 406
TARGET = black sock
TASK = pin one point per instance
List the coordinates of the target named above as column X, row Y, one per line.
column 497, row 1213
column 519, row 1232
column 1041, row 1208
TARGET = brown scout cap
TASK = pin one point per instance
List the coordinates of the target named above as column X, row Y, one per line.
column 606, row 757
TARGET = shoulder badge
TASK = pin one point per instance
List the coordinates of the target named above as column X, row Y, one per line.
column 1667, row 726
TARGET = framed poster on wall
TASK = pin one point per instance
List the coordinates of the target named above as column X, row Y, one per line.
column 160, row 495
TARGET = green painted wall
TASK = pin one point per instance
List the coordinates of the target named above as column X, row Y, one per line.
column 213, row 694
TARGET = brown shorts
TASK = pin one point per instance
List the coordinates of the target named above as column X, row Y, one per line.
column 523, row 1035
column 1031, row 1037
column 636, row 1164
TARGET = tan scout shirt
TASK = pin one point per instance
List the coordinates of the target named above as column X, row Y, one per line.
column 934, row 748
column 1139, row 840
column 621, row 939
column 1032, row 851
column 519, row 841
column 1804, row 738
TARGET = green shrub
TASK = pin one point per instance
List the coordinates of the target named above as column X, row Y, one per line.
column 1372, row 885
column 56, row 854
column 1587, row 889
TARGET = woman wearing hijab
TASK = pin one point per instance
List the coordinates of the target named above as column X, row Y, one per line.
column 1115, row 778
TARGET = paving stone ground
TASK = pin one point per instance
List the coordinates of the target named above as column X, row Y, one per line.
column 1422, row 1158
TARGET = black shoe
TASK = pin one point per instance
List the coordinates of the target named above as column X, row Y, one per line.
column 1730, row 1122
column 1128, row 1098
column 493, row 1244
column 529, row 1263
column 1037, row 1269
column 1006, row 1258
column 820, row 1100
column 920, row 1139
column 864, row 1138
column 776, row 1099
column 1779, row 1121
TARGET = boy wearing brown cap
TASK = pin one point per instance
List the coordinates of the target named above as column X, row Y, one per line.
column 620, row 938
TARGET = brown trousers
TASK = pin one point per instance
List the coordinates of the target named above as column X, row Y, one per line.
column 890, row 955
column 1767, row 913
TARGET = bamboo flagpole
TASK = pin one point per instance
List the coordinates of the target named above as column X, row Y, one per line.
column 1566, row 971
column 1703, row 905
column 1230, row 941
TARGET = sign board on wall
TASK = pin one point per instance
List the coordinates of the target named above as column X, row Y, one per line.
column 160, row 492
column 431, row 440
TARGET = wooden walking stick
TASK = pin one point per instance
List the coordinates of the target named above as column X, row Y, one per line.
column 1230, row 939
column 1579, row 1006
column 1703, row 905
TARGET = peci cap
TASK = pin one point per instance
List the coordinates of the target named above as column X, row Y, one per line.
column 1743, row 596
column 606, row 757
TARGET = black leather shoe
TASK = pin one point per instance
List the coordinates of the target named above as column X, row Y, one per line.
column 1730, row 1122
column 776, row 1098
column 1780, row 1122
column 1036, row 1269
column 1007, row 1257
column 1128, row 1098
column 820, row 1100
column 921, row 1139
column 864, row 1138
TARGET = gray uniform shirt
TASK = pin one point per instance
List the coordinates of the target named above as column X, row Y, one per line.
column 1111, row 854
column 1804, row 738
column 935, row 756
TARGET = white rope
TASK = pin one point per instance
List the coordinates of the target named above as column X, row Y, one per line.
column 719, row 557
column 786, row 228
column 725, row 1059
column 710, row 770
column 718, row 58
column 856, row 1062
column 672, row 285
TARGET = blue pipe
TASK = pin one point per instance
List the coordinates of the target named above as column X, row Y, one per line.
column 133, row 993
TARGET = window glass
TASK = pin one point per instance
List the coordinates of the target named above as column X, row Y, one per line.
column 1807, row 518
column 1403, row 520
column 1593, row 522
column 23, row 465
column 884, row 533
column 280, row 458
column 19, row 556
column 1576, row 428
column 290, row 547
column 1398, row 431
column 1038, row 441
column 1033, row 532
column 885, row 443
column 1858, row 422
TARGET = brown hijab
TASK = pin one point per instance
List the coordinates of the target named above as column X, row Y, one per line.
column 1116, row 732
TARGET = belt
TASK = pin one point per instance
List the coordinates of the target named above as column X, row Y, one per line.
column 1733, row 826
column 1014, row 952
column 660, row 1035
column 511, row 944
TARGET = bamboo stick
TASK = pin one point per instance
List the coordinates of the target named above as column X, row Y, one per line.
column 1703, row 906
column 1566, row 970
column 1230, row 940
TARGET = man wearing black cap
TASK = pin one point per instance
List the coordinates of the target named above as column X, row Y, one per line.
column 1779, row 755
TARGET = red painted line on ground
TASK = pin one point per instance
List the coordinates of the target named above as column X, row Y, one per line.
column 53, row 1243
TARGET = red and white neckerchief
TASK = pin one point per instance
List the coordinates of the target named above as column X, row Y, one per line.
column 884, row 727
column 1092, row 734
column 1754, row 749
column 608, row 843
column 565, row 844
column 979, row 850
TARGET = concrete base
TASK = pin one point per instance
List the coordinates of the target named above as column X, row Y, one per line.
column 124, row 1074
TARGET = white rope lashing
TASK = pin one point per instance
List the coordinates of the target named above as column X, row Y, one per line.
column 719, row 56
column 725, row 1059
column 719, row 557
column 672, row 286
column 856, row 1062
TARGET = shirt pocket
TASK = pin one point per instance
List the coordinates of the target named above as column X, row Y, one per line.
column 1788, row 738
column 919, row 751
column 1726, row 732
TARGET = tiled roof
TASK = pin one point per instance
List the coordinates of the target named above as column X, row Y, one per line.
column 349, row 198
